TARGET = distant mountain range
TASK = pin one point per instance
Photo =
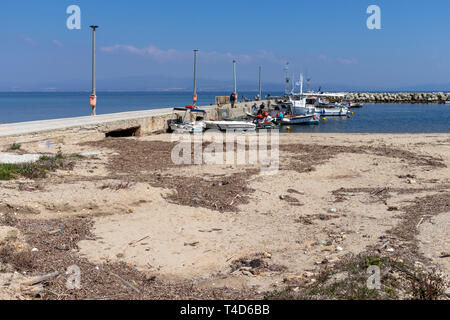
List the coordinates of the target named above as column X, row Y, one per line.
column 165, row 83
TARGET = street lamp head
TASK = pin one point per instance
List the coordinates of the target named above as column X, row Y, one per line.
column 94, row 27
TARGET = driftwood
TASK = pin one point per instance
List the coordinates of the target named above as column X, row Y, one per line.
column 39, row 279
column 126, row 282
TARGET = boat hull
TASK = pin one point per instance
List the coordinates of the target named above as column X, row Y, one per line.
column 197, row 127
column 301, row 120
column 332, row 112
column 230, row 125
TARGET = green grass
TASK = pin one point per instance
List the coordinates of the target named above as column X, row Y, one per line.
column 8, row 171
column 35, row 170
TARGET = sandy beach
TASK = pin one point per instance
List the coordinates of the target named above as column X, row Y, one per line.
column 140, row 227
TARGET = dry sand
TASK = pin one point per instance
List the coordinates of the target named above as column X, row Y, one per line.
column 335, row 196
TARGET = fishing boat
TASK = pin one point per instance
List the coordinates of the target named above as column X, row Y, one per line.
column 314, row 103
column 181, row 126
column 234, row 125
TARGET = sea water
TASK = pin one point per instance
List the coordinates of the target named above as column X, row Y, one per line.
column 372, row 118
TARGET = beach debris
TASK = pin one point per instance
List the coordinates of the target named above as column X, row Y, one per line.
column 192, row 244
column 125, row 282
column 319, row 242
column 267, row 255
column 296, row 191
column 444, row 255
column 291, row 200
column 255, row 265
column 390, row 250
column 420, row 222
column 56, row 231
column 134, row 243
column 35, row 290
column 39, row 279
column 211, row 230
column 332, row 210
column 247, row 273
column 339, row 248
column 34, row 250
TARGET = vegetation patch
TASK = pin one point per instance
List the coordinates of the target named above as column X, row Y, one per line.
column 348, row 280
column 38, row 169
column 15, row 146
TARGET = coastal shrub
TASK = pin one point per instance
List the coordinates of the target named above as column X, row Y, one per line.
column 348, row 281
column 8, row 171
column 15, row 146
column 35, row 170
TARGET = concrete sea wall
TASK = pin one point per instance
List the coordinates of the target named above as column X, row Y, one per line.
column 94, row 128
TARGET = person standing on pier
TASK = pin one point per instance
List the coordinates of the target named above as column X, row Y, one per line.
column 232, row 99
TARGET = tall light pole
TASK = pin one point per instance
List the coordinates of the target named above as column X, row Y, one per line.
column 234, row 76
column 287, row 86
column 260, row 97
column 194, row 95
column 93, row 97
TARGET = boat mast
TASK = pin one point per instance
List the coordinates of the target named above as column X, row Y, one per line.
column 301, row 83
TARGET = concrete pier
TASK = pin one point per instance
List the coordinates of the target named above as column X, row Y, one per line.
column 97, row 127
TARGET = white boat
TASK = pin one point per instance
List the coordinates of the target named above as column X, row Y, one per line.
column 332, row 111
column 181, row 126
column 230, row 125
column 311, row 103
column 314, row 105
column 188, row 127
column 302, row 119
column 355, row 105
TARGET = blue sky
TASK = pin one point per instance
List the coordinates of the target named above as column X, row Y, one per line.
column 140, row 41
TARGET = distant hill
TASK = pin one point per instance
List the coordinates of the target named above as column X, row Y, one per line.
column 164, row 83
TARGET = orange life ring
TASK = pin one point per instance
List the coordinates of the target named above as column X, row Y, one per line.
column 92, row 100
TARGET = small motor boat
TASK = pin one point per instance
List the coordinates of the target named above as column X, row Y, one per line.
column 302, row 119
column 182, row 126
